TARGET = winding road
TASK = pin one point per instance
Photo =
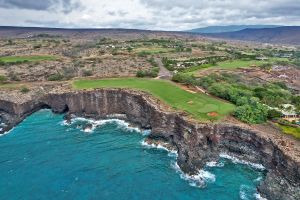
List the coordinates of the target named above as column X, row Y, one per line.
column 164, row 73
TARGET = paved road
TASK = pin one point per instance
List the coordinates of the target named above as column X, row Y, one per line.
column 163, row 72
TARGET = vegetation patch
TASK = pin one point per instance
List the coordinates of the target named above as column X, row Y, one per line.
column 295, row 131
column 253, row 101
column 24, row 59
column 169, row 93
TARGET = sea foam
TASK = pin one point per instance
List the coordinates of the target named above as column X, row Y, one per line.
column 236, row 160
column 98, row 123
column 162, row 146
column 259, row 197
column 198, row 180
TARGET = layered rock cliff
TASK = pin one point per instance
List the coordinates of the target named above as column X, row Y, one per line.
column 196, row 143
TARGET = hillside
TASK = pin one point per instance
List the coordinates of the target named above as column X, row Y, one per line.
column 231, row 28
column 279, row 35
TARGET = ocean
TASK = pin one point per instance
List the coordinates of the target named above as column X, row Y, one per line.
column 46, row 158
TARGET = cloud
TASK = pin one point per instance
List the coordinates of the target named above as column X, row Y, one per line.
column 223, row 12
column 65, row 6
column 148, row 14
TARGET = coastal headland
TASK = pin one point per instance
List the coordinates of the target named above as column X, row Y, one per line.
column 197, row 143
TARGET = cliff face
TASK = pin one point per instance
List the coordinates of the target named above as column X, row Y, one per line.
column 196, row 143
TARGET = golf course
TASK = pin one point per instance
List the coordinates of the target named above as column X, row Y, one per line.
column 199, row 106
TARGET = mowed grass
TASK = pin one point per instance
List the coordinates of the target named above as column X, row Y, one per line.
column 239, row 64
column 14, row 59
column 197, row 105
column 290, row 130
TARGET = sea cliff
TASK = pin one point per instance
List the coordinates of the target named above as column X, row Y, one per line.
column 197, row 143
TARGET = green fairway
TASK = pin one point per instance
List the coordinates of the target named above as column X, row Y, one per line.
column 239, row 64
column 14, row 59
column 199, row 106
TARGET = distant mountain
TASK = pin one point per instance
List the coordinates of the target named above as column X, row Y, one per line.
column 279, row 35
column 222, row 29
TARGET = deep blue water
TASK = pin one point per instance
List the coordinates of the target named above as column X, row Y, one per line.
column 44, row 159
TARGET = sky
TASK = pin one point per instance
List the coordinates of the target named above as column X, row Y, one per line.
column 173, row 15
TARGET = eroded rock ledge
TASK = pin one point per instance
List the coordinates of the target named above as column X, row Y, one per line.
column 196, row 143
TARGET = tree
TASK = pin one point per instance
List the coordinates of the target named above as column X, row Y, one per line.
column 253, row 113
column 273, row 114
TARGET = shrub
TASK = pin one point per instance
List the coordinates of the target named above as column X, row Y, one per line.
column 37, row 46
column 184, row 78
column 143, row 53
column 3, row 79
column 153, row 73
column 55, row 77
column 253, row 113
column 140, row 73
column 13, row 76
column 87, row 72
column 274, row 114
column 24, row 90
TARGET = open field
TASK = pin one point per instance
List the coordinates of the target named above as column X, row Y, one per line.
column 153, row 50
column 246, row 63
column 14, row 59
column 233, row 64
column 290, row 130
column 197, row 105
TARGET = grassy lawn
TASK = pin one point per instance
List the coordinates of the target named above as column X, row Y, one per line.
column 239, row 63
column 197, row 105
column 290, row 130
column 13, row 59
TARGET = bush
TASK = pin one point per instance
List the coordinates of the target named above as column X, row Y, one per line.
column 253, row 113
column 140, row 74
column 24, row 90
column 13, row 76
column 3, row 79
column 37, row 46
column 143, row 54
column 56, row 77
column 153, row 73
column 87, row 72
column 184, row 78
column 274, row 114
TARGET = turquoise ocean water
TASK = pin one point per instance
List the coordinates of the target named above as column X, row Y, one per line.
column 44, row 158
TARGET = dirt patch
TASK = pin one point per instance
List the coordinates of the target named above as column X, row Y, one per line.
column 190, row 102
column 213, row 114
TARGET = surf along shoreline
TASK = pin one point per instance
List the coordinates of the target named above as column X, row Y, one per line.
column 196, row 143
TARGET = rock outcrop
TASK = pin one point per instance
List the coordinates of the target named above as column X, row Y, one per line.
column 196, row 143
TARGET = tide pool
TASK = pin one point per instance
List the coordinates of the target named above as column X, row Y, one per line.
column 45, row 158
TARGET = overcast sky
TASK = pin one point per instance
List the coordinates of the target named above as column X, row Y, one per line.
column 147, row 14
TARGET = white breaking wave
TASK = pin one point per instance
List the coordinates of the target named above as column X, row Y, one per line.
column 7, row 132
column 236, row 160
column 159, row 146
column 214, row 164
column 146, row 132
column 259, row 197
column 98, row 123
column 198, row 180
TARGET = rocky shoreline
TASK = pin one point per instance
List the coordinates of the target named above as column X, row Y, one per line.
column 196, row 143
